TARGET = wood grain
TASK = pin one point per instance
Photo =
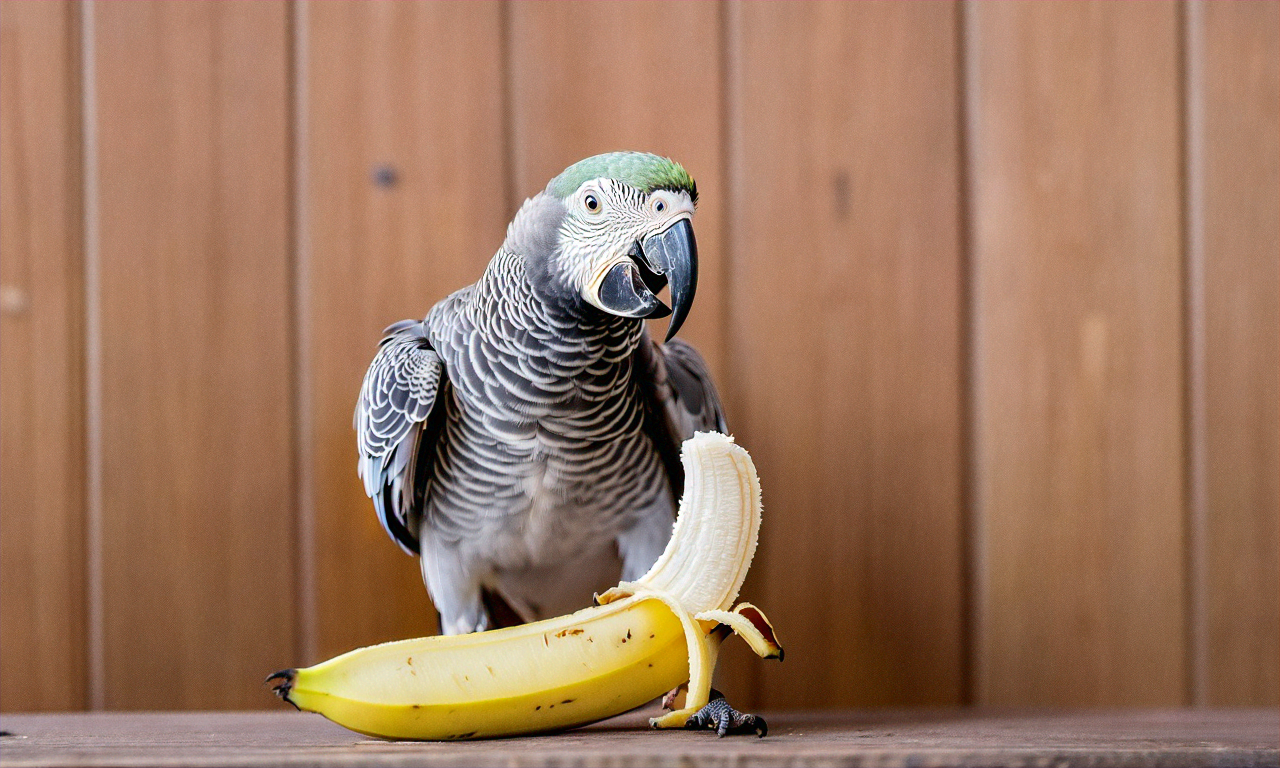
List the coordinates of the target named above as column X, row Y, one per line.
column 42, row 554
column 845, row 347
column 882, row 738
column 417, row 89
column 589, row 77
column 196, row 444
column 1238, row 173
column 1074, row 129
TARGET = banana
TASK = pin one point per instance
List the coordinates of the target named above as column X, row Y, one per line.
column 644, row 638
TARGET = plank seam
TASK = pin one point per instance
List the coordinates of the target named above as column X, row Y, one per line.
column 732, row 32
column 968, row 361
column 1190, row 20
column 96, row 661
column 975, row 581
column 306, row 624
column 509, row 152
column 730, row 35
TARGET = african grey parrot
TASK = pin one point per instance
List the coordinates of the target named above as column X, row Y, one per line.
column 524, row 437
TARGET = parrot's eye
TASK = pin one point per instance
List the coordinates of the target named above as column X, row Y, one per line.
column 659, row 206
column 592, row 203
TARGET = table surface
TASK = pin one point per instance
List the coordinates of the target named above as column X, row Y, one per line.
column 1187, row 737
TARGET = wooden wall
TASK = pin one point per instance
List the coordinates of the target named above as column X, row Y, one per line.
column 991, row 291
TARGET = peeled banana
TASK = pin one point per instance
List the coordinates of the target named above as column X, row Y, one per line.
column 643, row 639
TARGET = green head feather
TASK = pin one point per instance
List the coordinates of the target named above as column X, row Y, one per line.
column 641, row 170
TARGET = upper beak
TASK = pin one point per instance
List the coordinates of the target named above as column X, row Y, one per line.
column 673, row 254
column 669, row 257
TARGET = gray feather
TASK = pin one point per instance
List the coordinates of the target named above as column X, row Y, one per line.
column 695, row 403
column 398, row 394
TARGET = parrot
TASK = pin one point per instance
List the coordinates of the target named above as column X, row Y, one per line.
column 523, row 439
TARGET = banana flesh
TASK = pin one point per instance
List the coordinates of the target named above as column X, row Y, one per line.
column 643, row 639
column 715, row 535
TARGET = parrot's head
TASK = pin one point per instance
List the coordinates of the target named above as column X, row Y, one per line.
column 622, row 231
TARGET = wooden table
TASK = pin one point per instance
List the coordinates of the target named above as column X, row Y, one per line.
column 872, row 738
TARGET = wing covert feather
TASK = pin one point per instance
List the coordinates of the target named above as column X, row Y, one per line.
column 680, row 399
column 394, row 413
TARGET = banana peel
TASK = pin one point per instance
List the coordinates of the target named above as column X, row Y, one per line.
column 642, row 639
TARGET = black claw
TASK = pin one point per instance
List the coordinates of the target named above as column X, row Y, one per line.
column 761, row 727
column 286, row 676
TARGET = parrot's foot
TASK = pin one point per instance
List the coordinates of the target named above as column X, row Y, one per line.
column 725, row 719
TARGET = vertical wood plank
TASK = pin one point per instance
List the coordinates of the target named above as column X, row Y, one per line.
column 42, row 572
column 417, row 89
column 845, row 343
column 588, row 78
column 1237, row 165
column 196, row 442
column 1074, row 127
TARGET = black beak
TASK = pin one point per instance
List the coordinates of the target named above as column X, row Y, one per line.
column 673, row 255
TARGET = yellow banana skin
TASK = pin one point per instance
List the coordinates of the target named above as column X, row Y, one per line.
column 544, row 676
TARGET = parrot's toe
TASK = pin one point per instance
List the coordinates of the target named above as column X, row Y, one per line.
column 724, row 719
column 285, row 686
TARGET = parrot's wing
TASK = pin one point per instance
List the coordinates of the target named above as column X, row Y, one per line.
column 399, row 411
column 694, row 403
column 680, row 399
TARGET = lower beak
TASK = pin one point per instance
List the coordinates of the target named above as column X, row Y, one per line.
column 623, row 292
column 673, row 254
